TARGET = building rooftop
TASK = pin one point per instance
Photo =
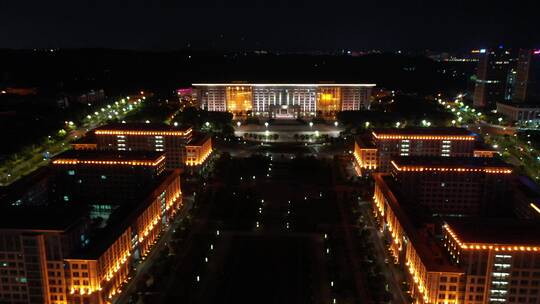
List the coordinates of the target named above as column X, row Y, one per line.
column 520, row 105
column 198, row 139
column 496, row 231
column 419, row 163
column 136, row 126
column 413, row 131
column 88, row 138
column 122, row 218
column 21, row 186
column 97, row 157
column 528, row 187
column 41, row 218
column 364, row 142
column 482, row 146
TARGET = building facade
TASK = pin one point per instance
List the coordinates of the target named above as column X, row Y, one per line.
column 198, row 151
column 152, row 137
column 466, row 260
column 526, row 85
column 494, row 77
column 47, row 256
column 284, row 100
column 519, row 112
column 501, row 259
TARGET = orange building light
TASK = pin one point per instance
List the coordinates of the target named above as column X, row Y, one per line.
column 450, row 169
column 74, row 161
column 423, row 137
column 143, row 133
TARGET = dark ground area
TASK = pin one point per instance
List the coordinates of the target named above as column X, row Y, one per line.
column 268, row 250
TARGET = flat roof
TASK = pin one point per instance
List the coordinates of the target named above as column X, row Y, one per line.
column 450, row 162
column 364, row 142
column 198, row 139
column 520, row 105
column 109, row 157
column 122, row 218
column 41, row 218
column 20, row 186
column 370, row 85
column 412, row 222
column 424, row 131
column 482, row 146
column 496, row 231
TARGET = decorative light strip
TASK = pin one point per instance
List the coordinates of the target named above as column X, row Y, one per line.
column 423, row 137
column 486, row 246
column 535, row 207
column 491, row 170
column 74, row 161
column 418, row 279
column 143, row 133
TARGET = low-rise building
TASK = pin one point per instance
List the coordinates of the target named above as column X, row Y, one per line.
column 470, row 260
column 519, row 112
column 100, row 178
column 198, row 150
column 455, row 185
column 158, row 137
column 374, row 151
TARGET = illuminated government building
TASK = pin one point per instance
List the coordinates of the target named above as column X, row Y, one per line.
column 283, row 100
column 104, row 212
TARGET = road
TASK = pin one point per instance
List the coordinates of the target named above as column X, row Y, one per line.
column 10, row 172
column 143, row 267
column 392, row 275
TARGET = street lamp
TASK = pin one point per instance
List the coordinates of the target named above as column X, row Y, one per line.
column 367, row 124
column 238, row 124
column 336, row 123
column 266, row 124
column 398, row 124
column 310, row 124
column 207, row 124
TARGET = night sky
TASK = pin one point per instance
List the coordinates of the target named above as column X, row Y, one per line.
column 272, row 25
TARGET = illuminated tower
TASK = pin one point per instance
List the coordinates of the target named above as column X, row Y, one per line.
column 493, row 77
